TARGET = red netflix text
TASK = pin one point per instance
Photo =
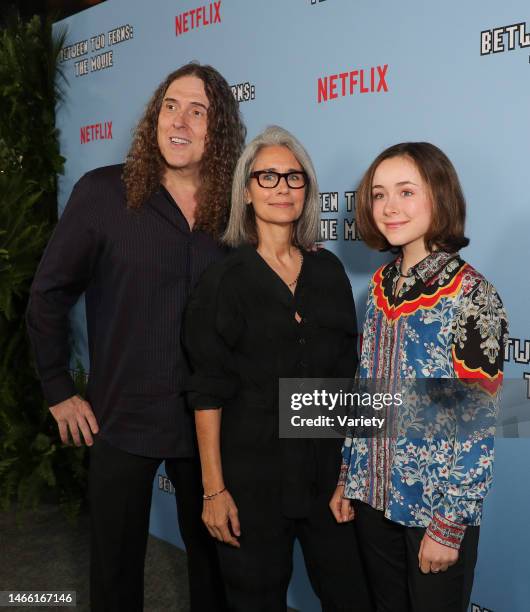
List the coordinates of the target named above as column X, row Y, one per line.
column 96, row 131
column 198, row 17
column 359, row 81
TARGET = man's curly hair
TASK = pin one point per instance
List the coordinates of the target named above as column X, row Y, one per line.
column 225, row 137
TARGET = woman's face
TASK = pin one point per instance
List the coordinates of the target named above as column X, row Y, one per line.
column 279, row 205
column 401, row 202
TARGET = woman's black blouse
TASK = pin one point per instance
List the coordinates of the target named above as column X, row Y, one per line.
column 241, row 336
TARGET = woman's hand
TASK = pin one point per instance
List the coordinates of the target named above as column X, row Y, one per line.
column 220, row 516
column 435, row 557
column 341, row 508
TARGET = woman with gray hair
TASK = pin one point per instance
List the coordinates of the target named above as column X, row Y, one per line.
column 273, row 308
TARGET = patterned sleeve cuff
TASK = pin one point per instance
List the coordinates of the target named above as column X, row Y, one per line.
column 446, row 532
column 343, row 474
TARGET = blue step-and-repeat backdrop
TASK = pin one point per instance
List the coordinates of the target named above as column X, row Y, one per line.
column 349, row 79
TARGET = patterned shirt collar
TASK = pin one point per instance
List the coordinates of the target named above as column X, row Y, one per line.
column 427, row 268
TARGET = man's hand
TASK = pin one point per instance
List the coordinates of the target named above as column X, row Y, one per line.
column 341, row 508
column 220, row 516
column 75, row 415
column 434, row 557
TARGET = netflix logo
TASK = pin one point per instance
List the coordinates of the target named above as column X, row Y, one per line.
column 96, row 131
column 198, row 17
column 353, row 82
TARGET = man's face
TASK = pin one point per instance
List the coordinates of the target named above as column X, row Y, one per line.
column 183, row 123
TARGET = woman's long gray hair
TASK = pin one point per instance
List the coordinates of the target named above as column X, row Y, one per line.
column 241, row 228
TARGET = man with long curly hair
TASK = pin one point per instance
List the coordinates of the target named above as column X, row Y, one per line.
column 135, row 238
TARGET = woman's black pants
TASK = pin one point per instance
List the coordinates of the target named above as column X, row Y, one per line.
column 257, row 575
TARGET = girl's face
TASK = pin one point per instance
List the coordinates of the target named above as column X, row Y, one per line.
column 401, row 202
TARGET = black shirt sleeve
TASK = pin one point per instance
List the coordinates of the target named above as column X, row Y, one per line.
column 210, row 330
column 63, row 274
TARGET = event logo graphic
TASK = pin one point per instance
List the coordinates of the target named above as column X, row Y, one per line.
column 96, row 131
column 329, row 204
column 73, row 51
column 164, row 484
column 505, row 38
column 518, row 351
column 198, row 17
column 98, row 45
column 358, row 81
column 244, row 92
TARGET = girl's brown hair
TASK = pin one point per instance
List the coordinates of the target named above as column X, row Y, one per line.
column 145, row 166
column 448, row 203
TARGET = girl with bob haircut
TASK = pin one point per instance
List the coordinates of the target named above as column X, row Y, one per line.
column 417, row 499
column 273, row 308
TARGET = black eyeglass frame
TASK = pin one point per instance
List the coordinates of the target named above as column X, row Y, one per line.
column 279, row 176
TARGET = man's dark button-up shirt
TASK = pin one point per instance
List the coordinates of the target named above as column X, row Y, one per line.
column 137, row 268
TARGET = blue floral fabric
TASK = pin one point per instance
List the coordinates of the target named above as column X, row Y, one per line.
column 433, row 464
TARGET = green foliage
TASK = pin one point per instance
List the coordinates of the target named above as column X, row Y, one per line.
column 30, row 86
column 34, row 465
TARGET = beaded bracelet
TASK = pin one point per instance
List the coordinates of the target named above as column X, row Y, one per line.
column 206, row 497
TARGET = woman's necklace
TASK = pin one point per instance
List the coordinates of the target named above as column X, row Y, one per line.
column 299, row 271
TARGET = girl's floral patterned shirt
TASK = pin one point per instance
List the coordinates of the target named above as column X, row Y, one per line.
column 447, row 321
